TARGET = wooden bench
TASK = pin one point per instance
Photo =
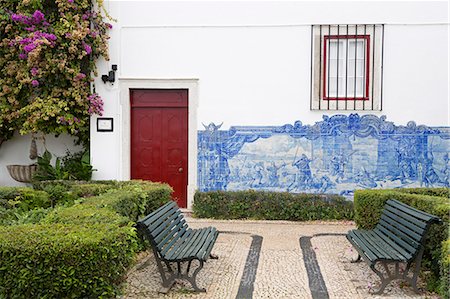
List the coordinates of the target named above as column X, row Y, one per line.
column 173, row 242
column 398, row 238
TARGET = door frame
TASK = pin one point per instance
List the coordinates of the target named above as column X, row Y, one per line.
column 125, row 120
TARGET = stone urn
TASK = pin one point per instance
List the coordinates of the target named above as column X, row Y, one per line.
column 22, row 173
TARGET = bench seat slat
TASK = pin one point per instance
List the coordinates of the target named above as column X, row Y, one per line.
column 387, row 234
column 169, row 252
column 174, row 233
column 407, row 217
column 201, row 243
column 382, row 237
column 366, row 249
column 398, row 233
column 412, row 229
column 211, row 243
column 176, row 238
column 188, row 250
column 381, row 249
column 395, row 252
column 179, row 253
column 388, row 252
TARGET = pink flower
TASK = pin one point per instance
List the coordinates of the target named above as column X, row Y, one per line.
column 87, row 48
column 35, row 83
column 70, row 1
column 80, row 76
column 38, row 17
column 34, row 71
column 23, row 56
column 95, row 104
column 30, row 47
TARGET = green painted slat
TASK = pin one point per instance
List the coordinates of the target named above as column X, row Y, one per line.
column 188, row 249
column 411, row 211
column 179, row 244
column 393, row 251
column 176, row 238
column 410, row 226
column 160, row 232
column 361, row 244
column 160, row 211
column 382, row 238
column 156, row 227
column 169, row 235
column 210, row 246
column 203, row 253
column 200, row 244
column 178, row 254
column 385, row 251
column 389, row 235
column 400, row 226
column 408, row 217
column 399, row 233
column 373, row 247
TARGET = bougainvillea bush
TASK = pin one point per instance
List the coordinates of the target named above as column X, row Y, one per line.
column 48, row 50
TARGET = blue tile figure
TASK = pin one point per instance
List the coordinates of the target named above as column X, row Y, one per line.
column 303, row 178
column 336, row 155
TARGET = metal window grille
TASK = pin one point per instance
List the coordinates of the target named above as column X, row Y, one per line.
column 346, row 67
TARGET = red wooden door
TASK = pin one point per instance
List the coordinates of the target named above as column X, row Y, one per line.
column 159, row 143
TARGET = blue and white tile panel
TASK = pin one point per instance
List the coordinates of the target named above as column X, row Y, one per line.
column 336, row 155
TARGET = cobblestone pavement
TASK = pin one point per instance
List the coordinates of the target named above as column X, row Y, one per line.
column 280, row 271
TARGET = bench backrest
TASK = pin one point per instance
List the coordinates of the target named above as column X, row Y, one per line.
column 163, row 227
column 405, row 226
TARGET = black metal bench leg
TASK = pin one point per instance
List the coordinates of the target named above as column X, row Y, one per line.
column 384, row 280
column 192, row 279
column 213, row 256
column 413, row 279
column 167, row 282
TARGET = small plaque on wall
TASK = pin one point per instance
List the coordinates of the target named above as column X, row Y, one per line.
column 105, row 124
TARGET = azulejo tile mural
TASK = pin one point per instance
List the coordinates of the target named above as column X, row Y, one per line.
column 336, row 155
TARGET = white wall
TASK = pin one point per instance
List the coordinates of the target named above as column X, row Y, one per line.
column 17, row 151
column 252, row 60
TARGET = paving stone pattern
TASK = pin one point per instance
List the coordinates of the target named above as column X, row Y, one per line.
column 279, row 264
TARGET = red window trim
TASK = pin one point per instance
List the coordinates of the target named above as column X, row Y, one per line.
column 326, row 38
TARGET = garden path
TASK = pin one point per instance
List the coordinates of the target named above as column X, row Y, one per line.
column 272, row 259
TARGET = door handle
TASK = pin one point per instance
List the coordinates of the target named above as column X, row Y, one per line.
column 180, row 169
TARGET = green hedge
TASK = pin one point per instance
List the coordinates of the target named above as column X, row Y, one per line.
column 369, row 205
column 271, row 205
column 23, row 198
column 77, row 251
column 64, row 261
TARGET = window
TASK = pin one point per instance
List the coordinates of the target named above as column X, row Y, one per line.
column 346, row 67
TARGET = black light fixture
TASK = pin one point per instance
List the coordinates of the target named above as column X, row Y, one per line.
column 111, row 77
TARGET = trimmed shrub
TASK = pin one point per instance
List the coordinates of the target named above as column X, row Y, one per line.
column 441, row 192
column 23, row 198
column 445, row 270
column 78, row 251
column 271, row 206
column 64, row 261
column 369, row 205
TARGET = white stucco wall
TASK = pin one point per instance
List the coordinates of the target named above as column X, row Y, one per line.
column 17, row 151
column 252, row 61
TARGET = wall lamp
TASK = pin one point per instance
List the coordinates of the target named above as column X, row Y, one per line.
column 111, row 77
